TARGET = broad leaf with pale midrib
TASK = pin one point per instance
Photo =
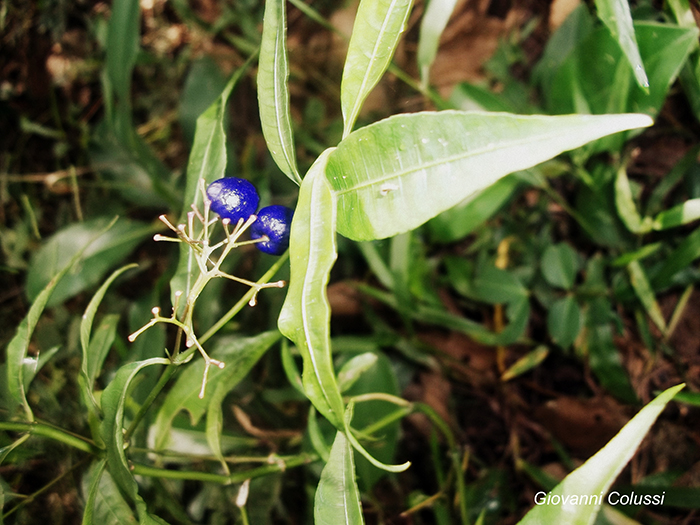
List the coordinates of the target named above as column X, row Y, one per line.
column 392, row 176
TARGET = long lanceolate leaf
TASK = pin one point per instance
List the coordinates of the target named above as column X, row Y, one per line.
column 305, row 315
column 596, row 475
column 273, row 94
column 392, row 176
column 616, row 15
column 378, row 26
column 113, row 401
column 337, row 500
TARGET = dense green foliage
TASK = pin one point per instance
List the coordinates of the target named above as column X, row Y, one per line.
column 514, row 222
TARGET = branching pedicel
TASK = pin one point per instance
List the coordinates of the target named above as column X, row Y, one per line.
column 198, row 240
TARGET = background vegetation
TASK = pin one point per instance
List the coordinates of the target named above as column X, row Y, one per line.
column 529, row 323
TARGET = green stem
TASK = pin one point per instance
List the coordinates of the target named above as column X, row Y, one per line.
column 237, row 477
column 455, row 456
column 51, row 432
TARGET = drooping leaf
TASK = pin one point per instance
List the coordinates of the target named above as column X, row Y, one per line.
column 238, row 354
column 394, row 175
column 597, row 474
column 273, row 93
column 616, row 15
column 110, row 248
column 305, row 315
column 113, row 400
column 89, row 316
column 378, row 26
column 433, row 24
column 337, row 500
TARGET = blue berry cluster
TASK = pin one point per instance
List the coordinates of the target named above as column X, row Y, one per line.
column 234, row 199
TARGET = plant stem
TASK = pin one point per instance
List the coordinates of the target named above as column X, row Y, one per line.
column 49, row 431
column 237, row 477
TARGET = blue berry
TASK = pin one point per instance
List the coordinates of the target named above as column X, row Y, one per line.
column 275, row 222
column 233, row 198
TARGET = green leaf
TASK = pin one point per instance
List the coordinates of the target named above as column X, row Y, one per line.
column 616, row 15
column 642, row 287
column 347, row 419
column 679, row 259
column 239, row 354
column 207, row 161
column 597, row 474
column 526, row 363
column 100, row 343
column 88, row 318
column 123, row 46
column 564, row 321
column 604, row 357
column 113, row 401
column 273, row 93
column 305, row 315
column 97, row 257
column 351, row 371
column 104, row 503
column 464, row 218
column 496, row 286
column 32, row 365
column 248, row 351
column 376, row 418
column 378, row 26
column 337, row 500
column 684, row 213
column 394, row 175
column 18, row 346
column 433, row 24
column 560, row 265
column 204, row 83
column 586, row 74
column 626, row 208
